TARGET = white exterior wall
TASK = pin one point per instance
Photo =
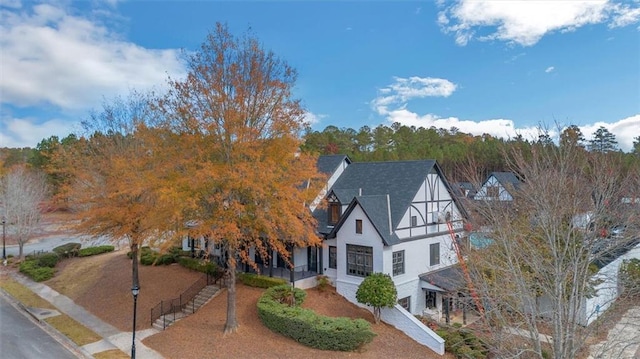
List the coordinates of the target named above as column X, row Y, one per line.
column 607, row 291
column 431, row 203
column 331, row 273
column 416, row 259
column 408, row 324
column 347, row 285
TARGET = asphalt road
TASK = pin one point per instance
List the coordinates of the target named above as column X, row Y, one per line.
column 21, row 338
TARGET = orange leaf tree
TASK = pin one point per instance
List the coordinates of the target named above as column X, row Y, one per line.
column 114, row 176
column 238, row 130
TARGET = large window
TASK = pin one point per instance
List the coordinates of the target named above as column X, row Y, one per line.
column 333, row 257
column 359, row 260
column 398, row 263
column 405, row 303
column 358, row 226
column 434, row 254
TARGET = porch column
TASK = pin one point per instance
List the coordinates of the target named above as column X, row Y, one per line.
column 320, row 261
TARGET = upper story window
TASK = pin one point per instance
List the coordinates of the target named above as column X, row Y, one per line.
column 434, row 254
column 398, row 262
column 359, row 226
column 493, row 191
column 335, row 210
column 414, row 221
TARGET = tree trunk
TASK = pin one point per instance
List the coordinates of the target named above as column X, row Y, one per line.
column 231, row 326
column 376, row 314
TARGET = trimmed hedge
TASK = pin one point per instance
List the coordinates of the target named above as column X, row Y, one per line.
column 67, row 250
column 260, row 281
column 92, row 251
column 199, row 265
column 34, row 271
column 307, row 327
column 48, row 259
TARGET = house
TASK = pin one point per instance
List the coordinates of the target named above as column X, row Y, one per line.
column 498, row 187
column 391, row 217
column 464, row 189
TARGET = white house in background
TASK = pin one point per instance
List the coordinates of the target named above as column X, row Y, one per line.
column 498, row 187
column 390, row 217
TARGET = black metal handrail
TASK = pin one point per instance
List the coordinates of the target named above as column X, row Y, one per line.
column 176, row 305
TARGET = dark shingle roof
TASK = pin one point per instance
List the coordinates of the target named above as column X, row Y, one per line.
column 506, row 178
column 329, row 163
column 450, row 279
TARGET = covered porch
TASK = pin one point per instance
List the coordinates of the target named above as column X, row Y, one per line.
column 447, row 298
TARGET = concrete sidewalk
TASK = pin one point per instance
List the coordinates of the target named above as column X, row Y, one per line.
column 112, row 338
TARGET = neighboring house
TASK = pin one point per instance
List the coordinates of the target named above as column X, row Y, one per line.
column 390, row 217
column 498, row 187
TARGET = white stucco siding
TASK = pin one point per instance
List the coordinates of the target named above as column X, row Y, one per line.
column 431, row 203
column 331, row 273
column 346, row 284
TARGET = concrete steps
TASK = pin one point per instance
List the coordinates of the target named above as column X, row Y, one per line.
column 203, row 297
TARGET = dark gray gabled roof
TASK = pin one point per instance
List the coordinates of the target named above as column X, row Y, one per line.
column 506, row 179
column 451, row 279
column 376, row 208
column 329, row 163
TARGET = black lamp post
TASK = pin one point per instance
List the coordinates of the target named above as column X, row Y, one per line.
column 4, row 235
column 134, row 290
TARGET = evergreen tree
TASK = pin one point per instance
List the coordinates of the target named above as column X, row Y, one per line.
column 603, row 141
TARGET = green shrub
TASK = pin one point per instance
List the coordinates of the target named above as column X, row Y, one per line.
column 92, row 251
column 323, row 282
column 148, row 259
column 165, row 259
column 462, row 343
column 260, row 281
column 47, row 260
column 307, row 327
column 31, row 269
column 67, row 250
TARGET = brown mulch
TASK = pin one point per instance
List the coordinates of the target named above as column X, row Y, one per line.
column 108, row 296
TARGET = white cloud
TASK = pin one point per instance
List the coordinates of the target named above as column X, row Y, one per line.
column 526, row 22
column 625, row 130
column 313, row 118
column 405, row 89
column 549, row 69
column 71, row 62
column 25, row 132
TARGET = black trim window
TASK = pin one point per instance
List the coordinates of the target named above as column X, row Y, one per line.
column 434, row 254
column 359, row 226
column 398, row 262
column 359, row 260
column 405, row 303
column 430, row 299
column 414, row 221
column 333, row 257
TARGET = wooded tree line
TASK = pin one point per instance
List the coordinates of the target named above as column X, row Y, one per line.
column 454, row 150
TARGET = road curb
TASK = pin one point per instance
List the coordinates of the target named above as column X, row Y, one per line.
column 53, row 332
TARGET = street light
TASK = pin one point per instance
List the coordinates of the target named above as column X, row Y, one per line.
column 4, row 235
column 134, row 290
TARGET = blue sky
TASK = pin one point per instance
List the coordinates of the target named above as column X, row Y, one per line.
column 497, row 67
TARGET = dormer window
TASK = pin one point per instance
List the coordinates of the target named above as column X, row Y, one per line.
column 334, row 209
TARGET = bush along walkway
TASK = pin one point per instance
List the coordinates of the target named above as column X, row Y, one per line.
column 112, row 338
